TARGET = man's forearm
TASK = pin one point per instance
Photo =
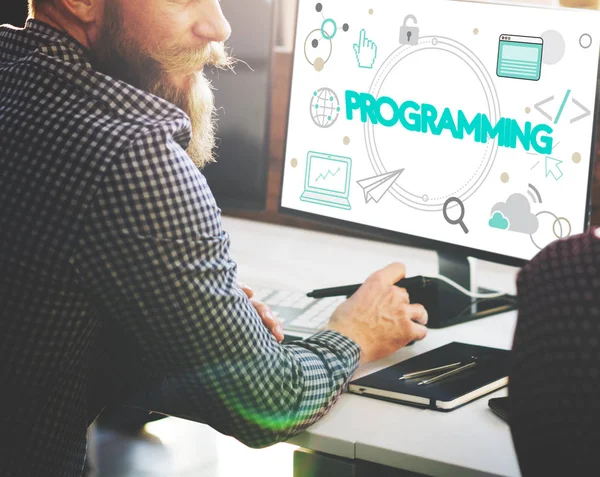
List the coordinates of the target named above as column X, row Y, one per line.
column 310, row 376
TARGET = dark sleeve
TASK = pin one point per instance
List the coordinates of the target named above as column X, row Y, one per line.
column 555, row 377
column 155, row 259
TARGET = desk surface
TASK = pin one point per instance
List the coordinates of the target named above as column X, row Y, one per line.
column 470, row 441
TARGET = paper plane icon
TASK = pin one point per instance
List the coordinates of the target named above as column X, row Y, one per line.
column 375, row 187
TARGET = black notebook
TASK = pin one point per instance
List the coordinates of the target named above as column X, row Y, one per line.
column 490, row 374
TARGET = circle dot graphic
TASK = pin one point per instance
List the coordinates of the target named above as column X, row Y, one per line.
column 504, row 177
column 434, row 41
column 316, row 106
column 371, row 11
column 554, row 47
column 294, row 162
column 528, row 110
column 551, row 228
column 562, row 228
column 346, row 27
column 346, row 140
column 425, row 198
column 319, row 7
column 576, row 158
column 319, row 64
column 475, row 31
column 585, row 41
column 324, row 31
column 316, row 46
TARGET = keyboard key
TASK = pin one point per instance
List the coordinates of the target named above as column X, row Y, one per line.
column 297, row 311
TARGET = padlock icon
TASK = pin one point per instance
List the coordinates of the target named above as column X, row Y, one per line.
column 409, row 35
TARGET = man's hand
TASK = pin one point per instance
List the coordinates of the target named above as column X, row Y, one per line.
column 265, row 313
column 379, row 316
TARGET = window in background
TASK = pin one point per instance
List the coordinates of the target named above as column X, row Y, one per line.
column 15, row 13
column 239, row 177
column 287, row 24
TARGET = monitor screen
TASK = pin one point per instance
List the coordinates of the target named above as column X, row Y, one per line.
column 445, row 123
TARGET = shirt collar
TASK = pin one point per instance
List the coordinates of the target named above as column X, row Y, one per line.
column 65, row 46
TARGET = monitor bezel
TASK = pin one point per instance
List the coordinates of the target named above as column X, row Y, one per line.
column 403, row 238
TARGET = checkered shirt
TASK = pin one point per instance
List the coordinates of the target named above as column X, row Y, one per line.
column 555, row 380
column 116, row 283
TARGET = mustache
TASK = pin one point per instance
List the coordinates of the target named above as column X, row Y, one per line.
column 184, row 61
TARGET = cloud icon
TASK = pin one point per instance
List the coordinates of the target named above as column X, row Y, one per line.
column 498, row 221
column 517, row 211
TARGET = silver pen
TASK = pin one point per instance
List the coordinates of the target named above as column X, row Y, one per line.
column 417, row 374
column 435, row 379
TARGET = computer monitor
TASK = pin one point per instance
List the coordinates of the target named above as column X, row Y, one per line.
column 463, row 127
column 239, row 177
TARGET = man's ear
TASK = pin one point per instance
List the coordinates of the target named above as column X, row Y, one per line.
column 86, row 11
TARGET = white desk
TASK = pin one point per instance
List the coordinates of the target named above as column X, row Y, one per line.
column 470, row 441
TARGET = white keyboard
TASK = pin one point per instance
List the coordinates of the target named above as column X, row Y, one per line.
column 298, row 312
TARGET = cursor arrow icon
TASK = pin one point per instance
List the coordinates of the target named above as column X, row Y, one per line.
column 552, row 168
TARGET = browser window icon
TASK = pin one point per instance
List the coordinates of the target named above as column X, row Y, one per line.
column 520, row 57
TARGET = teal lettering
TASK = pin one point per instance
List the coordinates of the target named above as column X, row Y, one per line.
column 507, row 129
column 392, row 104
column 489, row 131
column 351, row 103
column 363, row 101
column 415, row 118
column 368, row 102
column 511, row 138
column 464, row 126
column 428, row 116
column 447, row 122
column 521, row 135
column 424, row 118
column 546, row 141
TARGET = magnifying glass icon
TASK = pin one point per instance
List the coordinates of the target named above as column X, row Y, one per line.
column 460, row 219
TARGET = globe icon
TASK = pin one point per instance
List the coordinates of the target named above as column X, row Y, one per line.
column 324, row 107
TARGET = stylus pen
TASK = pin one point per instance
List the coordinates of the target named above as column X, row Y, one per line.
column 449, row 373
column 418, row 374
column 412, row 283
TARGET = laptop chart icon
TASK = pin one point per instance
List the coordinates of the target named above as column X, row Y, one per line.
column 327, row 180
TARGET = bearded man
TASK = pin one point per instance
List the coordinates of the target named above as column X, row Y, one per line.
column 116, row 284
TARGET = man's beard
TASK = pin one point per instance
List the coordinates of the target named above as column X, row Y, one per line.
column 151, row 69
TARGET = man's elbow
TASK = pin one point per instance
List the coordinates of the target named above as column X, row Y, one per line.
column 271, row 430
column 261, row 438
column 264, row 441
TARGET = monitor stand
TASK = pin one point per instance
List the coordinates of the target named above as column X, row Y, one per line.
column 447, row 306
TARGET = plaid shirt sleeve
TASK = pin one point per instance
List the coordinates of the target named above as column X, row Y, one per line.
column 154, row 257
